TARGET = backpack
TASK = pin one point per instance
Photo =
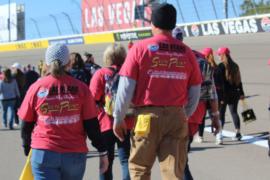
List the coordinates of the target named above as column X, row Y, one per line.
column 92, row 67
column 111, row 87
column 207, row 73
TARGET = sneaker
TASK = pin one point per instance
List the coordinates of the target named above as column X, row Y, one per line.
column 219, row 139
column 237, row 137
column 199, row 139
column 16, row 125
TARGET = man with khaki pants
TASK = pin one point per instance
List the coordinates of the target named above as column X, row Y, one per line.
column 162, row 79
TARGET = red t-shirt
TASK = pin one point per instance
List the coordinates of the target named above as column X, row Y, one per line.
column 97, row 88
column 164, row 68
column 58, row 106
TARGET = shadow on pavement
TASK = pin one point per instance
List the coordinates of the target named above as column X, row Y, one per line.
column 204, row 148
column 261, row 135
column 4, row 130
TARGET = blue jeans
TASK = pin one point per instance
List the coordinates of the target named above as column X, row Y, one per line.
column 49, row 165
column 123, row 153
column 8, row 104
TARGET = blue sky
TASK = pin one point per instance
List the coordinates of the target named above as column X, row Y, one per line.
column 40, row 10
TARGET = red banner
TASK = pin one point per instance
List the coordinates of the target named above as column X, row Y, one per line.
column 107, row 15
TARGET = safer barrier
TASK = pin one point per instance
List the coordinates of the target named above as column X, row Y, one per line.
column 251, row 24
column 27, row 45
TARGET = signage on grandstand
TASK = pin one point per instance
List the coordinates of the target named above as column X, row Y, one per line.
column 106, row 15
column 68, row 41
column 235, row 26
column 132, row 35
column 4, row 25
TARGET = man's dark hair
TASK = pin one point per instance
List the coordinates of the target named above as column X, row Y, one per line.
column 88, row 55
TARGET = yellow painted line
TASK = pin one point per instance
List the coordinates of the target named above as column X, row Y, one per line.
column 99, row 38
column 24, row 46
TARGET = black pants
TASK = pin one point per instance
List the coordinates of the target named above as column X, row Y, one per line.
column 233, row 109
column 201, row 126
column 17, row 106
column 187, row 172
column 123, row 154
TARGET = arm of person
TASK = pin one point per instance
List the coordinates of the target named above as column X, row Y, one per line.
column 124, row 96
column 26, row 132
column 194, row 84
column 214, row 101
column 240, row 86
column 128, row 78
column 221, row 82
column 92, row 129
column 216, row 125
column 193, row 99
column 27, row 114
column 241, row 91
column 97, row 86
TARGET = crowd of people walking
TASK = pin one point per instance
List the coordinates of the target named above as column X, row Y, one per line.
column 149, row 100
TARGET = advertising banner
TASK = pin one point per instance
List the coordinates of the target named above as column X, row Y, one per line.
column 5, row 13
column 132, row 35
column 68, row 41
column 107, row 15
column 251, row 24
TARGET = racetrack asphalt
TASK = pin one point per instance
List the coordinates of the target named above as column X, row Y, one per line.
column 231, row 161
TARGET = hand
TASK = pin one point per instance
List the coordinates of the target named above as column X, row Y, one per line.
column 26, row 150
column 221, row 102
column 103, row 164
column 216, row 125
column 120, row 130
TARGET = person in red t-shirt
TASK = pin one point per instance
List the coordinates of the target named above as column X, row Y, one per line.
column 114, row 57
column 162, row 77
column 130, row 44
column 57, row 113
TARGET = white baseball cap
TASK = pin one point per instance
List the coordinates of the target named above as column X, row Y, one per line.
column 17, row 65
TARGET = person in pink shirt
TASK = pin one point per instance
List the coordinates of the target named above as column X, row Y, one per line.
column 114, row 57
column 57, row 113
column 162, row 79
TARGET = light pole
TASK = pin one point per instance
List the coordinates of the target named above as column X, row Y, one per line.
column 77, row 4
column 56, row 23
column 180, row 11
column 70, row 22
column 36, row 26
column 196, row 10
column 214, row 8
column 226, row 9
column 9, row 29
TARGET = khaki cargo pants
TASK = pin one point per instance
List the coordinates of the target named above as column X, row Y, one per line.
column 167, row 140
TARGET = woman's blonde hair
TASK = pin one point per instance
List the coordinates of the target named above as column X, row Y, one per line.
column 56, row 69
column 114, row 54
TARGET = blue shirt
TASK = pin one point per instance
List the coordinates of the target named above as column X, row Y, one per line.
column 9, row 90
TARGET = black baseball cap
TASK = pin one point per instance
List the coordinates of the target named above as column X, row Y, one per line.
column 164, row 16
